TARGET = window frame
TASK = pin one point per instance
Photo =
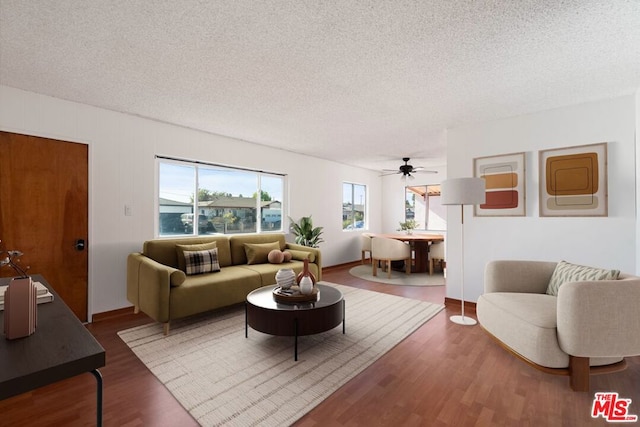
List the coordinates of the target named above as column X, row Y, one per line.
column 365, row 219
column 196, row 207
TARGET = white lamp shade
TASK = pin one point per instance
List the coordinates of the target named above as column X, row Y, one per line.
column 462, row 191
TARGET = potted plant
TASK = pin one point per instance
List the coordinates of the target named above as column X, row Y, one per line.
column 408, row 226
column 305, row 233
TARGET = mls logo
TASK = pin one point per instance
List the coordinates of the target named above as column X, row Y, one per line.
column 612, row 408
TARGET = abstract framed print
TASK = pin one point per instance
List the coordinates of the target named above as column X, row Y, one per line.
column 504, row 176
column 573, row 181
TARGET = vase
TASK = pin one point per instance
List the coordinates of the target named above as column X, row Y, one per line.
column 306, row 285
column 285, row 278
column 306, row 273
column 20, row 311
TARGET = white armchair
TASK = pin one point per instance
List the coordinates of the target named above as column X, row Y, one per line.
column 589, row 327
column 388, row 250
column 365, row 238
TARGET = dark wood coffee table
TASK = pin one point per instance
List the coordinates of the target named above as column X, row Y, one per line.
column 266, row 315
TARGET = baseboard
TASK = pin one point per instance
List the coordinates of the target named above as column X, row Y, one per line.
column 455, row 303
column 111, row 314
column 346, row 264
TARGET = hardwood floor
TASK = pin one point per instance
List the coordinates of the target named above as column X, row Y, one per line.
column 442, row 375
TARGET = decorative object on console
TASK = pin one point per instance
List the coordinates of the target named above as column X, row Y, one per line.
column 504, row 177
column 306, row 234
column 463, row 191
column 573, row 181
column 20, row 306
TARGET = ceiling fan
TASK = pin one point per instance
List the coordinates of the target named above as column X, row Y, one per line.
column 407, row 170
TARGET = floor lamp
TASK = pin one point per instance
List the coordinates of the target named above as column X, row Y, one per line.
column 462, row 191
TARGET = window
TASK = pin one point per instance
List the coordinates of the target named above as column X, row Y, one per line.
column 228, row 201
column 422, row 204
column 354, row 202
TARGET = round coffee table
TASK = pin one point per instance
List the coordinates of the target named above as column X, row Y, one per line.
column 264, row 314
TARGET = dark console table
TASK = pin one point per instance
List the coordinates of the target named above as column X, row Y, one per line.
column 60, row 348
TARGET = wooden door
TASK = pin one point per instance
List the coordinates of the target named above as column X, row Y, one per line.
column 44, row 212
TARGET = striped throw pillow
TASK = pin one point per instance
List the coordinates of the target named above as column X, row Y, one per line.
column 199, row 262
column 566, row 272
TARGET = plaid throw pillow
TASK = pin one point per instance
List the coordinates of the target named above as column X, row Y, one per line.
column 198, row 262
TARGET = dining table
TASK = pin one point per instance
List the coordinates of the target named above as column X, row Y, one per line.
column 420, row 244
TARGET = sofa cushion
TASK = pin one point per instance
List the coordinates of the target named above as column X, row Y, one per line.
column 301, row 255
column 258, row 253
column 181, row 249
column 566, row 272
column 237, row 242
column 199, row 262
column 164, row 250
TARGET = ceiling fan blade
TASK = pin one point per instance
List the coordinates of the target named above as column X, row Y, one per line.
column 389, row 173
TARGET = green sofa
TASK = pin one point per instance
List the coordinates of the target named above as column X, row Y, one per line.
column 157, row 286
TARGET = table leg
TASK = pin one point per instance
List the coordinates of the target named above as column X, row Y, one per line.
column 295, row 344
column 343, row 316
column 246, row 321
column 96, row 373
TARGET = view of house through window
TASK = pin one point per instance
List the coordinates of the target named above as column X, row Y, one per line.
column 422, row 204
column 201, row 199
column 354, row 202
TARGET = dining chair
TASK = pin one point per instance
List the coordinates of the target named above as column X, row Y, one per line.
column 436, row 256
column 365, row 238
column 387, row 250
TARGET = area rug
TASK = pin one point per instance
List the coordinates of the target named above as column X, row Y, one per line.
column 223, row 378
column 398, row 277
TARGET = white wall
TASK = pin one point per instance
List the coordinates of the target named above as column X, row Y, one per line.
column 122, row 171
column 608, row 242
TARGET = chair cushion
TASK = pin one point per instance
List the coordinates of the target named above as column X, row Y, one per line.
column 526, row 323
column 566, row 272
column 199, row 262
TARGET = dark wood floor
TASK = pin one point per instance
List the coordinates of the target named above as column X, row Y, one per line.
column 442, row 375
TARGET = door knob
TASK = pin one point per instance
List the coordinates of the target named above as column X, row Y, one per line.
column 79, row 245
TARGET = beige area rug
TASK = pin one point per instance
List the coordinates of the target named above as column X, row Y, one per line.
column 223, row 378
column 398, row 277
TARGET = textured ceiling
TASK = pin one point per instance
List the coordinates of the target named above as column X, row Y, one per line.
column 360, row 82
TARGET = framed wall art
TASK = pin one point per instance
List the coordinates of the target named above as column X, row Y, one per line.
column 573, row 181
column 504, row 177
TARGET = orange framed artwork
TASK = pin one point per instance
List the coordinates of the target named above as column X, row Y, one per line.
column 504, row 177
column 573, row 181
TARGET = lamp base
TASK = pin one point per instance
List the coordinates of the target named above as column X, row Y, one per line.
column 463, row 320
